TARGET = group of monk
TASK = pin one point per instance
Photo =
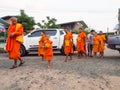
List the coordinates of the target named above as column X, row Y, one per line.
column 45, row 48
column 86, row 45
column 13, row 45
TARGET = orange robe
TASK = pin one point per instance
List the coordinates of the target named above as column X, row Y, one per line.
column 68, row 44
column 81, row 42
column 41, row 45
column 102, row 43
column 12, row 46
column 48, row 52
column 96, row 43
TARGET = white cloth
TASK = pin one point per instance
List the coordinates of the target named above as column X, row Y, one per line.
column 90, row 38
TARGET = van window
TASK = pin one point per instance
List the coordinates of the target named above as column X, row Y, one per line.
column 36, row 34
column 61, row 32
column 51, row 32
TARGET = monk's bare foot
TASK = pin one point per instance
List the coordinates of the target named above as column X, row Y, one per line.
column 21, row 63
column 86, row 56
column 14, row 66
column 70, row 59
column 101, row 57
column 79, row 57
column 65, row 61
column 42, row 58
column 94, row 56
column 90, row 56
column 48, row 66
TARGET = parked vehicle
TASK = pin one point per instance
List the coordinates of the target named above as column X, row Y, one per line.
column 114, row 42
column 31, row 40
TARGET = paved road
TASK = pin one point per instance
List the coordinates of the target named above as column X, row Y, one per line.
column 87, row 74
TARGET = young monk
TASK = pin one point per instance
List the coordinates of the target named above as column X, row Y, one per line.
column 48, row 52
column 81, row 43
column 96, row 43
column 68, row 44
column 41, row 45
column 102, row 44
column 12, row 45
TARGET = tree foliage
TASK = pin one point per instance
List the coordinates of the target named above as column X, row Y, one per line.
column 27, row 21
column 48, row 23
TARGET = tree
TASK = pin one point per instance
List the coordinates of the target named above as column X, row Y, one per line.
column 50, row 23
column 26, row 21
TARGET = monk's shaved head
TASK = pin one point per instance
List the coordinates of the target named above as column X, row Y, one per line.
column 66, row 30
column 48, row 36
column 13, row 20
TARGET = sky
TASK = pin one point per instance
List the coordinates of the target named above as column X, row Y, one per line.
column 97, row 14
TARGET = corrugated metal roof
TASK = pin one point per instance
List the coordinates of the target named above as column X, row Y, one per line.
column 5, row 23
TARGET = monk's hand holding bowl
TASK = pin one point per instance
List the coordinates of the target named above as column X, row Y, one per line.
column 12, row 35
column 43, row 46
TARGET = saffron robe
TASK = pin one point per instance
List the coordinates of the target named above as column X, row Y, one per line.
column 41, row 45
column 13, row 46
column 68, row 44
column 48, row 52
column 81, row 42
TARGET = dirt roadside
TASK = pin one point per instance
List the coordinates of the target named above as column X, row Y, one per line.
column 78, row 74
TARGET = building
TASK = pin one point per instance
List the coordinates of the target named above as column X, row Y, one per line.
column 75, row 25
column 7, row 18
column 4, row 22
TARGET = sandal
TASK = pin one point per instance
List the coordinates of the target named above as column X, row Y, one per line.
column 14, row 66
column 21, row 63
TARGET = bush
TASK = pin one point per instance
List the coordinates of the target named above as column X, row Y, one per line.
column 75, row 31
column 2, row 50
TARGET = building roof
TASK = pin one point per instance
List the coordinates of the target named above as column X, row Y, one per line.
column 5, row 23
column 82, row 22
column 8, row 17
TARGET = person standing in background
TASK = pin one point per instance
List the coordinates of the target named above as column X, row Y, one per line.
column 68, row 44
column 81, row 41
column 102, row 44
column 90, row 42
column 96, row 43
column 48, row 51
column 41, row 45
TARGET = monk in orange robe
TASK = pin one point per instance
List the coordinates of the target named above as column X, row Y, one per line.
column 13, row 46
column 48, row 52
column 96, row 43
column 41, row 45
column 81, row 40
column 102, row 44
column 68, row 44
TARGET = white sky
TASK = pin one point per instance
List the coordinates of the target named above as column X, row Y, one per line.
column 97, row 14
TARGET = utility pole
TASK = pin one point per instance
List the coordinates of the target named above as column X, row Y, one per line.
column 119, row 18
column 107, row 29
column 119, row 21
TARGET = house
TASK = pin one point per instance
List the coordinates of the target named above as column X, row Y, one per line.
column 4, row 22
column 75, row 25
column 7, row 18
